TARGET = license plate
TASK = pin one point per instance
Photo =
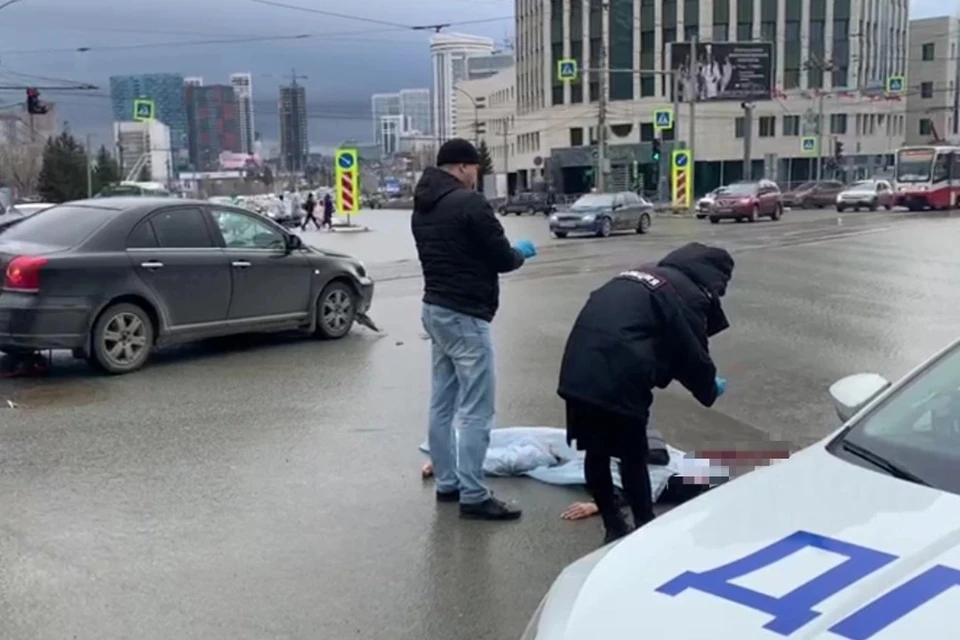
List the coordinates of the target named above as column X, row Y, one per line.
column 568, row 225
column 724, row 209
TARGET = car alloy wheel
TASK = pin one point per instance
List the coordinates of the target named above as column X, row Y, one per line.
column 754, row 213
column 336, row 311
column 644, row 225
column 605, row 228
column 122, row 339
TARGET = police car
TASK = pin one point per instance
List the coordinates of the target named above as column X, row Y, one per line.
column 856, row 537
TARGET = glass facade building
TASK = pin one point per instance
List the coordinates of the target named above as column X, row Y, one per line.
column 167, row 92
column 213, row 124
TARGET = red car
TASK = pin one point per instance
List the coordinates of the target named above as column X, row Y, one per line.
column 747, row 201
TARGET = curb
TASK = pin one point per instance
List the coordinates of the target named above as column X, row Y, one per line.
column 354, row 228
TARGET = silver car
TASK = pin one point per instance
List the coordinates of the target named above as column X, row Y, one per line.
column 866, row 194
column 601, row 214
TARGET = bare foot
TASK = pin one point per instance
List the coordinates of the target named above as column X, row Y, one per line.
column 580, row 511
column 427, row 470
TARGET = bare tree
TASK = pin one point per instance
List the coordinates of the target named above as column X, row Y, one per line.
column 20, row 167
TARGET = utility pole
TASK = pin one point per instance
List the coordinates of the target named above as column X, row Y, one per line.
column 89, row 170
column 824, row 67
column 747, row 140
column 692, row 90
column 506, row 158
column 602, row 104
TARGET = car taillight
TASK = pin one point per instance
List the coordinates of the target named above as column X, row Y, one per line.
column 23, row 273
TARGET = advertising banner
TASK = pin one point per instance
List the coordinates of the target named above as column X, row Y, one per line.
column 740, row 71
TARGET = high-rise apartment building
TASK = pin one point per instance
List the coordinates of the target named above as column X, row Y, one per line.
column 450, row 53
column 193, row 81
column 416, row 109
column 166, row 90
column 480, row 67
column 213, row 124
column 381, row 106
column 294, row 142
column 933, row 78
column 242, row 84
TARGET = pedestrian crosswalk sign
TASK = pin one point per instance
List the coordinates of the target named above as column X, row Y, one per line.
column 895, row 84
column 808, row 144
column 143, row 110
column 662, row 120
column 567, row 70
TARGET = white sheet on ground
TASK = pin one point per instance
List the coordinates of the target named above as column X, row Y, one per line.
column 543, row 454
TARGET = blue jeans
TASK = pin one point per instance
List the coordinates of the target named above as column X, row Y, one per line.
column 463, row 382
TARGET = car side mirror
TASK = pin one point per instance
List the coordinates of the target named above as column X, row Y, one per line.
column 294, row 243
column 853, row 393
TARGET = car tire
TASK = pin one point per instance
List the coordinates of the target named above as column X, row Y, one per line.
column 701, row 216
column 336, row 311
column 606, row 228
column 777, row 213
column 532, row 211
column 560, row 234
column 754, row 214
column 841, row 208
column 714, row 220
column 121, row 339
column 644, row 225
column 873, row 205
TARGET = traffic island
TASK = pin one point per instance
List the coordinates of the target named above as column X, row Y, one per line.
column 343, row 226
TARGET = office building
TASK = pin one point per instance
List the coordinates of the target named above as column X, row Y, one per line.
column 790, row 54
column 381, row 106
column 242, row 84
column 480, row 67
column 933, row 77
column 415, row 107
column 294, row 141
column 144, row 150
column 489, row 116
column 449, row 53
column 213, row 124
column 193, row 81
column 391, row 130
column 166, row 92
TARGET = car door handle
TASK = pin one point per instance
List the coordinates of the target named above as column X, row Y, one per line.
column 152, row 265
column 240, row 264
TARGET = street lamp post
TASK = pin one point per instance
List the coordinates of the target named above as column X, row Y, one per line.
column 476, row 115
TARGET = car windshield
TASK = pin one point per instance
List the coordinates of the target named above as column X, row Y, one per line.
column 742, row 189
column 806, row 186
column 918, row 428
column 865, row 185
column 61, row 226
column 915, row 165
column 593, row 201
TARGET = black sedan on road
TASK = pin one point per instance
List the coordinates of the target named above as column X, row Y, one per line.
column 110, row 279
column 531, row 203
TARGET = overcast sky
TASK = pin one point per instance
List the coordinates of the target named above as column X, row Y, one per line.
column 354, row 59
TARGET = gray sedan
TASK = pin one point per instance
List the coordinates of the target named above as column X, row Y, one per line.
column 601, row 214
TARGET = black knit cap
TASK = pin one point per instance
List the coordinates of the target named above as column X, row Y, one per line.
column 457, row 151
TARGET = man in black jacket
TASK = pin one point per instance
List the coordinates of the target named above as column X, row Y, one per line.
column 462, row 250
column 640, row 331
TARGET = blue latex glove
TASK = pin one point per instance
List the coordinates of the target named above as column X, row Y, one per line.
column 526, row 248
column 721, row 386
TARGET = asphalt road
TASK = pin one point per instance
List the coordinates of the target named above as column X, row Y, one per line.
column 269, row 488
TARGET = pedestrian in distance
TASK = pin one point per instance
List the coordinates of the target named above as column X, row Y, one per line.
column 328, row 212
column 309, row 207
column 462, row 250
column 641, row 330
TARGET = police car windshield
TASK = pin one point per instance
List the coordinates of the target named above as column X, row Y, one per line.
column 917, row 430
column 593, row 201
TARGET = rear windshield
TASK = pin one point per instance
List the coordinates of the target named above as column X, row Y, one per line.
column 61, row 226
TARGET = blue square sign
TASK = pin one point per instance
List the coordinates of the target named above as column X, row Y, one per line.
column 662, row 119
column 567, row 70
column 808, row 144
column 895, row 84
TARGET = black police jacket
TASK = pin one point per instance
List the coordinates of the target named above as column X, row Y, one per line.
column 461, row 245
column 647, row 327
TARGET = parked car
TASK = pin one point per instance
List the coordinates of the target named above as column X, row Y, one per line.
column 603, row 213
column 706, row 202
column 527, row 203
column 853, row 537
column 867, row 194
column 17, row 212
column 813, row 195
column 747, row 201
column 112, row 278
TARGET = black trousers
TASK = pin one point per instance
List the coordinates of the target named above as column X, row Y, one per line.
column 310, row 218
column 605, row 436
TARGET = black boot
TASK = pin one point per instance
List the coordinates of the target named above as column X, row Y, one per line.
column 615, row 527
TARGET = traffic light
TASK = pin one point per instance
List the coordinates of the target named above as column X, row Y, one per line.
column 837, row 149
column 34, row 106
column 656, row 150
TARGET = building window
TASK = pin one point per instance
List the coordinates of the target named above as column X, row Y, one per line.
column 621, row 21
column 926, row 126
column 738, row 127
column 838, row 123
column 576, row 136
column 646, row 131
column 791, row 125
column 927, row 52
column 648, row 50
column 926, row 89
column 768, row 126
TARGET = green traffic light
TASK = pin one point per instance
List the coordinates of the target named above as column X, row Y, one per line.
column 656, row 156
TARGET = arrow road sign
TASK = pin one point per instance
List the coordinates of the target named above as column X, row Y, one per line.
column 662, row 119
column 895, row 84
column 345, row 161
column 567, row 70
column 681, row 158
column 808, row 144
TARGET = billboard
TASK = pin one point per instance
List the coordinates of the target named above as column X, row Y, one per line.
column 740, row 71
